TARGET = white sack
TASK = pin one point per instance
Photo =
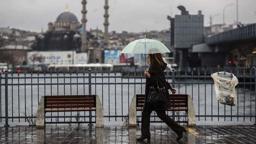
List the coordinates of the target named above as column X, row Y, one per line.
column 225, row 83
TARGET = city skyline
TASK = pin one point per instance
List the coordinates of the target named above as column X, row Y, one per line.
column 132, row 15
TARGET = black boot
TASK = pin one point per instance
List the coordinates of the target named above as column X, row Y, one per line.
column 141, row 139
column 180, row 133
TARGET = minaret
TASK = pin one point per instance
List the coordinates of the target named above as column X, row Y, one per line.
column 84, row 21
column 106, row 24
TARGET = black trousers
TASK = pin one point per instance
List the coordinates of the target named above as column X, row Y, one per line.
column 145, row 126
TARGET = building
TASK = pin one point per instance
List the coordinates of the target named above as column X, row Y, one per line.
column 62, row 35
column 187, row 31
column 14, row 44
column 56, row 58
column 13, row 54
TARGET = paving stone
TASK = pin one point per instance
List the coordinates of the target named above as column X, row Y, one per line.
column 122, row 135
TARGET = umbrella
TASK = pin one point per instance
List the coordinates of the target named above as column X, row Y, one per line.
column 145, row 46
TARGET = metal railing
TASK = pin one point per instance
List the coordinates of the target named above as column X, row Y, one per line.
column 20, row 93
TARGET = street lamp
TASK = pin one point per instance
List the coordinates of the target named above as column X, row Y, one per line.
column 224, row 9
column 211, row 18
column 171, row 30
column 172, row 21
column 254, row 13
column 237, row 11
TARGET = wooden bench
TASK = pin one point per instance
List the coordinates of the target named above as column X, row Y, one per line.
column 69, row 103
column 176, row 103
column 78, row 103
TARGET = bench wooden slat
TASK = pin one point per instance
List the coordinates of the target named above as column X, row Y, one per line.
column 67, row 99
column 169, row 109
column 142, row 101
column 68, row 109
column 177, row 101
column 177, row 109
column 68, row 105
column 71, row 102
column 72, row 96
column 177, row 105
column 177, row 96
column 173, row 99
column 139, row 108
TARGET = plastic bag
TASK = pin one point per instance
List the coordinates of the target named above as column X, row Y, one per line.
column 225, row 84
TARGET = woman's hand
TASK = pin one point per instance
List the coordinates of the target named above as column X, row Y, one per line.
column 146, row 74
column 173, row 91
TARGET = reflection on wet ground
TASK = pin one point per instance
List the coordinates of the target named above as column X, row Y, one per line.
column 122, row 135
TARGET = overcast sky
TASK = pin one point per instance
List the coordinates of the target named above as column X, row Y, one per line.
column 129, row 15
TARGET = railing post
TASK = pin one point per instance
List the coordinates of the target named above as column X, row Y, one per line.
column 6, row 100
column 90, row 94
column 173, row 77
column 254, row 75
column 0, row 96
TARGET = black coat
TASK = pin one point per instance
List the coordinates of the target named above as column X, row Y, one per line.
column 157, row 78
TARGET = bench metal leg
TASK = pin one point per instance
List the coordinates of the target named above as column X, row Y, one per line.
column 132, row 135
column 132, row 113
column 191, row 135
column 99, row 135
column 99, row 113
column 40, row 115
column 191, row 112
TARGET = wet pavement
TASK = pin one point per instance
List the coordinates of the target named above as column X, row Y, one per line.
column 62, row 134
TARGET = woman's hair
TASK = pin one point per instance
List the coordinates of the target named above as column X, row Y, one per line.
column 156, row 59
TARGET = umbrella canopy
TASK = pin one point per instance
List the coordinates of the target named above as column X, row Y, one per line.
column 145, row 46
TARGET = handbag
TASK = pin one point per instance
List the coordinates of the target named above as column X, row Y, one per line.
column 157, row 95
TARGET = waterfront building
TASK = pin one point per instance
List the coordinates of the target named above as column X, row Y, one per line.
column 188, row 30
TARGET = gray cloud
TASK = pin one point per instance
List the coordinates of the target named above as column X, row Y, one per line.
column 130, row 15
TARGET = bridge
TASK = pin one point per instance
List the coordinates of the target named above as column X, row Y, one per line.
column 238, row 35
column 236, row 47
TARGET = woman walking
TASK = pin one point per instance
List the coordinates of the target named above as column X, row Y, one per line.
column 155, row 78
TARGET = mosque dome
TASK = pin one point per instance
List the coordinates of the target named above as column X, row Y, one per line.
column 67, row 17
column 66, row 21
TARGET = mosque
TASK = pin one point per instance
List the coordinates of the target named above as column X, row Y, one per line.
column 68, row 34
column 62, row 35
